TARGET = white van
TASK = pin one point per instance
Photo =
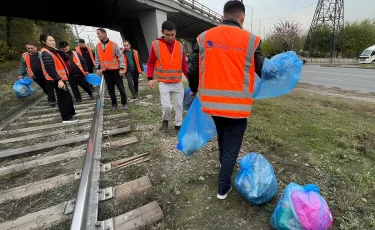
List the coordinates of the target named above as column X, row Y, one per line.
column 367, row 56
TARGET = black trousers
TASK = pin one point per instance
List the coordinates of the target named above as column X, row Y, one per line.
column 64, row 102
column 47, row 88
column 75, row 81
column 230, row 134
column 133, row 81
column 112, row 78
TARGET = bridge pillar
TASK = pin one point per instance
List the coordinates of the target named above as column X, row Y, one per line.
column 151, row 21
column 190, row 45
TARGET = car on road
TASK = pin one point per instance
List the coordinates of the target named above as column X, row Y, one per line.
column 303, row 59
column 367, row 56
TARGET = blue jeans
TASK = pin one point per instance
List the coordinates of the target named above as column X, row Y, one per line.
column 230, row 135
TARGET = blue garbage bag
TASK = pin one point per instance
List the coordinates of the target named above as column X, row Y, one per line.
column 22, row 87
column 93, row 79
column 188, row 99
column 197, row 129
column 301, row 208
column 280, row 75
column 256, row 180
column 145, row 68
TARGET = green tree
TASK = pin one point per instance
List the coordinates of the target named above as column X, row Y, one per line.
column 285, row 35
column 358, row 36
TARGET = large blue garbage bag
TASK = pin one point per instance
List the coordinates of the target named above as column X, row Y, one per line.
column 188, row 99
column 280, row 75
column 145, row 68
column 256, row 180
column 197, row 129
column 93, row 79
column 22, row 87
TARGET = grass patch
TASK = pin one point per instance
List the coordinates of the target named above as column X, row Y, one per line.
column 308, row 139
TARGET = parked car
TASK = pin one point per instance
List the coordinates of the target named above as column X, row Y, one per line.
column 367, row 56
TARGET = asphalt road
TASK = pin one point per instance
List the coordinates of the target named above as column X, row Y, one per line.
column 362, row 80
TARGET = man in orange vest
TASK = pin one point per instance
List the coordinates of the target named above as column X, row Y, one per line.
column 77, row 69
column 223, row 68
column 167, row 62
column 31, row 65
column 109, row 60
column 87, row 53
column 133, row 67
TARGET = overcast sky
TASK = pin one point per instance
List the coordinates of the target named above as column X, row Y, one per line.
column 270, row 12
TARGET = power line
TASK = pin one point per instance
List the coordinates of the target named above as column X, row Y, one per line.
column 289, row 12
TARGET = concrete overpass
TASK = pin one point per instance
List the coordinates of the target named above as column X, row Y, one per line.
column 138, row 21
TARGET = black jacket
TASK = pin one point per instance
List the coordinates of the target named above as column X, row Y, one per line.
column 49, row 64
column 76, row 71
column 139, row 58
column 194, row 64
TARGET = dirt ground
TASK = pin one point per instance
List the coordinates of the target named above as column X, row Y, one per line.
column 310, row 136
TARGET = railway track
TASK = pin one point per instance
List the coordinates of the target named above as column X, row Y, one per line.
column 50, row 171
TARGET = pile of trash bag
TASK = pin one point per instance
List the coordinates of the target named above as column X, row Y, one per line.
column 145, row 68
column 93, row 79
column 302, row 207
column 197, row 129
column 22, row 87
column 188, row 99
column 280, row 75
column 256, row 180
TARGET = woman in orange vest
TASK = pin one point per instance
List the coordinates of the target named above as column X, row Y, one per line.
column 133, row 67
column 224, row 66
column 55, row 71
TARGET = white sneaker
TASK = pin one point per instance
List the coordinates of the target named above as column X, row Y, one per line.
column 70, row 121
column 223, row 197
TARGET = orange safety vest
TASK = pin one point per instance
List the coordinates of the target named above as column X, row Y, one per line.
column 136, row 60
column 227, row 71
column 108, row 58
column 78, row 49
column 78, row 62
column 26, row 57
column 168, row 66
column 59, row 65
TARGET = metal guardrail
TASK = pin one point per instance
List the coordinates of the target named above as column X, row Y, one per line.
column 85, row 214
column 200, row 8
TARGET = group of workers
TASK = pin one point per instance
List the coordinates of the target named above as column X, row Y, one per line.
column 222, row 68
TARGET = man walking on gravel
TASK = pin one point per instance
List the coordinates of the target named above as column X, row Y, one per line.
column 167, row 63
column 223, row 67
column 108, row 59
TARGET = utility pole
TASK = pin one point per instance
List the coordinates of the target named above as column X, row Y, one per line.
column 328, row 14
column 75, row 27
column 252, row 13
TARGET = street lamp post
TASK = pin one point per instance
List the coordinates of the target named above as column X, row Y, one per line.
column 260, row 24
column 252, row 13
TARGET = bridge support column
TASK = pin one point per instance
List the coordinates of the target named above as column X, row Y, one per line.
column 151, row 21
column 190, row 45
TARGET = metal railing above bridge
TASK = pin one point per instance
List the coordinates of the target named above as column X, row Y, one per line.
column 200, row 8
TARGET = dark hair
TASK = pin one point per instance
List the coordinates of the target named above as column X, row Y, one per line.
column 126, row 41
column 168, row 25
column 63, row 44
column 234, row 7
column 43, row 38
column 101, row 30
column 31, row 43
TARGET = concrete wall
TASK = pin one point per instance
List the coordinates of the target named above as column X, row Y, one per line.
column 151, row 21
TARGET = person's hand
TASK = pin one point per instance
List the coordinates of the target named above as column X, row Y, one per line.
column 122, row 72
column 19, row 77
column 86, row 73
column 98, row 72
column 61, row 84
column 192, row 94
column 151, row 84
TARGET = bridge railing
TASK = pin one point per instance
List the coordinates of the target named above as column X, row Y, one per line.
column 200, row 8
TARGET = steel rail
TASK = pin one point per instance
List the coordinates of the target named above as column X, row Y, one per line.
column 85, row 214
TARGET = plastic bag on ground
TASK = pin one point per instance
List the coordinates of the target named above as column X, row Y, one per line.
column 256, row 180
column 197, row 129
column 280, row 75
column 22, row 88
column 301, row 207
column 188, row 99
column 93, row 79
